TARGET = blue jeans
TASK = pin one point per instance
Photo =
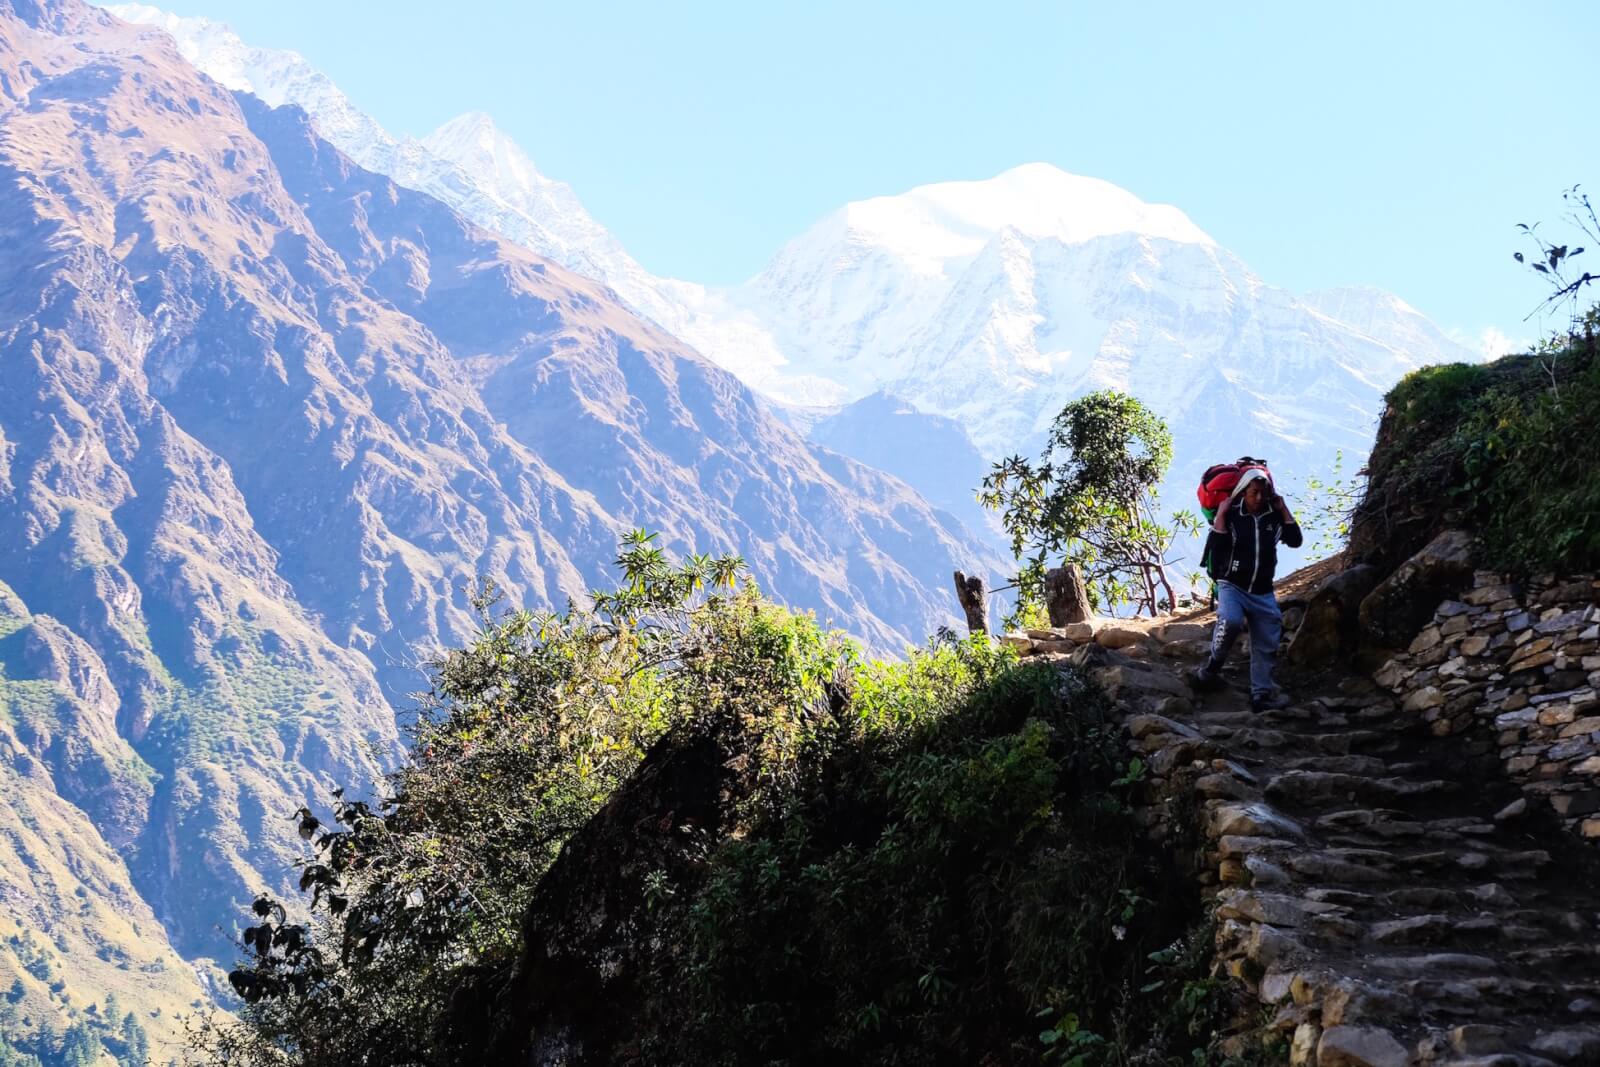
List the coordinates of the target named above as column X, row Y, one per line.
column 1236, row 611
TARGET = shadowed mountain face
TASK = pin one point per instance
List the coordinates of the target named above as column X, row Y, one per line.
column 931, row 452
column 264, row 417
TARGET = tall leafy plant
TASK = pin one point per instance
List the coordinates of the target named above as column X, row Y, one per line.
column 1091, row 500
column 524, row 734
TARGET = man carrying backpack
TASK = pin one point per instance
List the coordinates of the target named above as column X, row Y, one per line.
column 1243, row 552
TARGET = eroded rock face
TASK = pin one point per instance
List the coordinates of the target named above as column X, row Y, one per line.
column 74, row 730
column 590, row 936
column 1399, row 606
column 1331, row 624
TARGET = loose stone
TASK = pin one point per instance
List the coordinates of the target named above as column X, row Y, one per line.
column 1360, row 1046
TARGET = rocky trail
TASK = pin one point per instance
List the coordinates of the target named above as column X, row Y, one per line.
column 1388, row 895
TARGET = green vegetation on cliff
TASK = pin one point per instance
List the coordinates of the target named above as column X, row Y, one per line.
column 1509, row 448
column 955, row 880
column 690, row 826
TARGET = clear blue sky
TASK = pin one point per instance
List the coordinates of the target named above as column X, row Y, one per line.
column 1394, row 144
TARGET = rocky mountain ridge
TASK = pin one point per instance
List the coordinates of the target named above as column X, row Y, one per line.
column 990, row 303
column 265, row 419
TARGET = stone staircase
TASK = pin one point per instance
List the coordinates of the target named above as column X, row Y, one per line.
column 1382, row 891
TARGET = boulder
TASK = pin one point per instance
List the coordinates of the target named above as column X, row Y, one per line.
column 1066, row 598
column 1570, row 1046
column 1400, row 605
column 1081, row 632
column 1251, row 820
column 1114, row 636
column 1304, row 1044
column 1331, row 626
column 1120, row 680
column 1360, row 1046
column 1171, row 632
column 1142, row 726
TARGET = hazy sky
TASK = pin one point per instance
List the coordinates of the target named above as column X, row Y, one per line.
column 1393, row 144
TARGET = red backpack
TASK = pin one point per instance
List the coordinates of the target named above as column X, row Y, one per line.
column 1219, row 481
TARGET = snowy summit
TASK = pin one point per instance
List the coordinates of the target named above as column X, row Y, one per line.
column 951, row 220
column 990, row 303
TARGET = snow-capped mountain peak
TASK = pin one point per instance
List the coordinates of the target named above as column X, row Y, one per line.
column 473, row 137
column 468, row 163
column 473, row 142
column 211, row 46
column 989, row 302
column 469, row 127
column 275, row 76
column 951, row 220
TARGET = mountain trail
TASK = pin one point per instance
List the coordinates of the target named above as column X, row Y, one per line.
column 1383, row 892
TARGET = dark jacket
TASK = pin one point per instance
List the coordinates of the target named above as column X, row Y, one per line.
column 1247, row 555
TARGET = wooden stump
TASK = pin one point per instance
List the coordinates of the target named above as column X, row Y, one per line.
column 1065, row 596
column 970, row 594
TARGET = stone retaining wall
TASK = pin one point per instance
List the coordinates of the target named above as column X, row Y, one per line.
column 1520, row 667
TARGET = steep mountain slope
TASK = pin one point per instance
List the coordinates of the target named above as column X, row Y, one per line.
column 623, row 413
column 930, row 452
column 265, row 417
column 466, row 163
column 989, row 303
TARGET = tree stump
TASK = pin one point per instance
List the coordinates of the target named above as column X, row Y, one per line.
column 970, row 594
column 1065, row 596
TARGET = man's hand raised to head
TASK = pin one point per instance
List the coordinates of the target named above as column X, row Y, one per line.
column 1220, row 523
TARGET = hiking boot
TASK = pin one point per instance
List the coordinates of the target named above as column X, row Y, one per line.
column 1270, row 701
column 1203, row 677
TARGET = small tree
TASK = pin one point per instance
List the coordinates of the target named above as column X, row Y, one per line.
column 1568, row 283
column 1555, row 262
column 1091, row 500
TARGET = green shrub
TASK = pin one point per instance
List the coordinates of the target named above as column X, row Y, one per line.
column 1513, row 448
column 968, row 869
column 1531, row 459
column 928, row 861
column 1430, row 396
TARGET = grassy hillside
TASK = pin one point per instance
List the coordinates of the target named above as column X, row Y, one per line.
column 86, row 972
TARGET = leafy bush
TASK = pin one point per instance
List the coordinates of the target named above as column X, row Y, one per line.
column 923, row 861
column 523, row 735
column 1512, row 448
column 966, row 869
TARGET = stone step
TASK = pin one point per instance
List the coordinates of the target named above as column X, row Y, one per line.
column 1376, row 904
column 1435, row 928
column 1318, row 789
column 1369, row 766
column 1361, row 854
column 1571, row 956
column 1255, row 737
column 1429, row 878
